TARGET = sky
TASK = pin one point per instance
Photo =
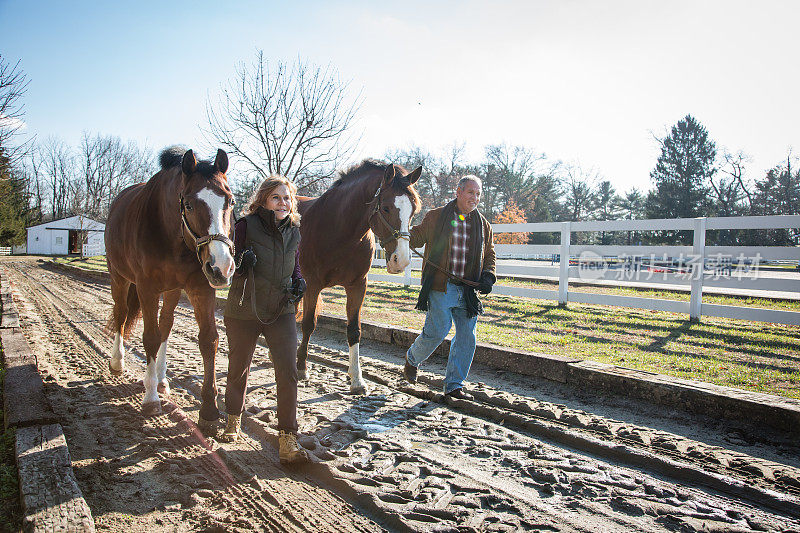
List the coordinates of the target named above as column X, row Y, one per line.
column 587, row 82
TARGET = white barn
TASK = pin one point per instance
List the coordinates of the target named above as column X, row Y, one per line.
column 65, row 236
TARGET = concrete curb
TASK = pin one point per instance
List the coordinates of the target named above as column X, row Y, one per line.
column 691, row 396
column 51, row 498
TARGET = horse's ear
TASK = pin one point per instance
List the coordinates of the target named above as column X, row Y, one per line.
column 388, row 176
column 414, row 176
column 221, row 162
column 189, row 163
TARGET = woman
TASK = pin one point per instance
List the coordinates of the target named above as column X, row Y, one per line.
column 261, row 300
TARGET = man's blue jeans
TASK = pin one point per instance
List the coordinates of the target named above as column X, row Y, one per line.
column 444, row 308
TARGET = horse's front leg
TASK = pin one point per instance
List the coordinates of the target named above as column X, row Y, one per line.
column 202, row 299
column 151, row 338
column 355, row 299
column 310, row 303
column 165, row 321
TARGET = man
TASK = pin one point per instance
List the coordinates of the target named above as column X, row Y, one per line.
column 458, row 241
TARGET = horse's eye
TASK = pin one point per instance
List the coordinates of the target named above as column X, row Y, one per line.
column 189, row 207
column 385, row 209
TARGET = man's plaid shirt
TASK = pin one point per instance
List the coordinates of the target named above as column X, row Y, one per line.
column 458, row 245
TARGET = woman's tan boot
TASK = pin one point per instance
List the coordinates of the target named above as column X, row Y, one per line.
column 289, row 451
column 231, row 433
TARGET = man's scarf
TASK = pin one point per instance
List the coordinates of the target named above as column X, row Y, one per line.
column 438, row 251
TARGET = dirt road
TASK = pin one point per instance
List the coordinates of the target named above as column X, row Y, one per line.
column 526, row 455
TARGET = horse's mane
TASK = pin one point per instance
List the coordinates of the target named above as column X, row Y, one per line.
column 358, row 170
column 172, row 156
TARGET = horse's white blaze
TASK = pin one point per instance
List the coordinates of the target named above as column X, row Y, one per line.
column 402, row 255
column 151, row 383
column 355, row 368
column 220, row 254
column 118, row 353
column 161, row 367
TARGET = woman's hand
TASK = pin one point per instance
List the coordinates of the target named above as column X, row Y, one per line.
column 297, row 290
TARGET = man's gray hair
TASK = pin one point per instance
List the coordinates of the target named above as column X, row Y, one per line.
column 469, row 177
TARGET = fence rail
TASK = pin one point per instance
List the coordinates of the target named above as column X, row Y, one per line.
column 92, row 249
column 695, row 268
column 5, row 250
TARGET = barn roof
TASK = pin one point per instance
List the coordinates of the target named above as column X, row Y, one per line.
column 77, row 222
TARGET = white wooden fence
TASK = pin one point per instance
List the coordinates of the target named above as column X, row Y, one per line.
column 5, row 250
column 92, row 249
column 696, row 268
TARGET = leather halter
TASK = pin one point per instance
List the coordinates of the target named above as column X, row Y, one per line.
column 200, row 241
column 394, row 234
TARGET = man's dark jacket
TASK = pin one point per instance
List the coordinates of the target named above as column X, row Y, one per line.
column 435, row 232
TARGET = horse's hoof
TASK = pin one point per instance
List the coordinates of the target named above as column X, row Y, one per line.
column 163, row 387
column 359, row 390
column 209, row 428
column 114, row 371
column 151, row 408
column 302, row 375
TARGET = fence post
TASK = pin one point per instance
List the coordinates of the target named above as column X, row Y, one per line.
column 407, row 276
column 698, row 269
column 563, row 270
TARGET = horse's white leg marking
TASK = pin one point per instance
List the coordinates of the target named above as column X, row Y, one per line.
column 402, row 254
column 161, row 368
column 355, row 368
column 118, row 353
column 220, row 254
column 151, row 383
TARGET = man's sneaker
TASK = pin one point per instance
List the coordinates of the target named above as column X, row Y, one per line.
column 289, row 451
column 459, row 394
column 410, row 372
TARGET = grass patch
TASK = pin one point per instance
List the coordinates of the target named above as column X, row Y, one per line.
column 10, row 508
column 749, row 355
column 97, row 262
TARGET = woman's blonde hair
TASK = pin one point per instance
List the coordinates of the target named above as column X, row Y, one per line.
column 260, row 195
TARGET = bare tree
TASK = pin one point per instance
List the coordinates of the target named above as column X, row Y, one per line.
column 107, row 165
column 579, row 186
column 58, row 164
column 440, row 172
column 733, row 189
column 13, row 85
column 32, row 170
column 294, row 120
column 513, row 169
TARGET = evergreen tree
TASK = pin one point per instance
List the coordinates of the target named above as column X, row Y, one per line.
column 13, row 204
column 778, row 194
column 682, row 173
column 632, row 208
column 681, row 176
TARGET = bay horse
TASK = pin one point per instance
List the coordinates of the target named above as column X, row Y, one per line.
column 337, row 244
column 170, row 233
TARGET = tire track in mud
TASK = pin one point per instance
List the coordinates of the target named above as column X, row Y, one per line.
column 416, row 463
column 233, row 496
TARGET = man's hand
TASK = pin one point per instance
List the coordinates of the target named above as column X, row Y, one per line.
column 485, row 282
column 248, row 260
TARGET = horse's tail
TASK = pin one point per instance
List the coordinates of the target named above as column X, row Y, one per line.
column 133, row 314
column 124, row 320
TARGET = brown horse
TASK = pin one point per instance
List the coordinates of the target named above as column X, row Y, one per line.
column 337, row 244
column 170, row 233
